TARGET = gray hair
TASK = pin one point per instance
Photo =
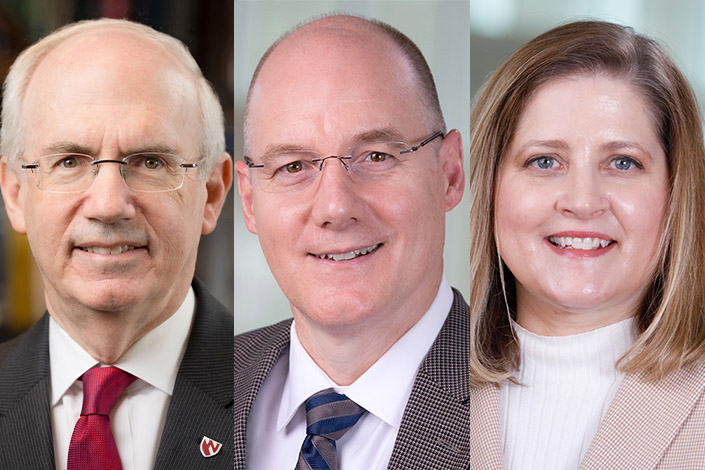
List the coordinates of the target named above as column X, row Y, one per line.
column 212, row 129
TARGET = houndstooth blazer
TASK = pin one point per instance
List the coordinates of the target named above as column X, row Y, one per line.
column 435, row 428
column 648, row 426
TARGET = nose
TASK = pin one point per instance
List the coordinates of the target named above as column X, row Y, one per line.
column 583, row 195
column 336, row 202
column 108, row 199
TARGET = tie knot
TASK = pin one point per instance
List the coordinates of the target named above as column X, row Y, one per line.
column 331, row 414
column 101, row 388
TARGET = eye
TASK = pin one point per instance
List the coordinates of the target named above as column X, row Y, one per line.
column 151, row 162
column 543, row 162
column 624, row 163
column 293, row 167
column 68, row 162
column 378, row 157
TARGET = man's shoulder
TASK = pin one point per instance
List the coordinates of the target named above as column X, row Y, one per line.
column 210, row 312
column 255, row 343
column 7, row 348
column 27, row 342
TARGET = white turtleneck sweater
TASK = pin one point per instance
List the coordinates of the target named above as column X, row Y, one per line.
column 568, row 383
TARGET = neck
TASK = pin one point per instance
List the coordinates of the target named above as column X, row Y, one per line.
column 346, row 351
column 552, row 320
column 106, row 336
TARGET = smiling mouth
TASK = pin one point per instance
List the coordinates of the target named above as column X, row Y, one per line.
column 576, row 243
column 350, row 254
column 104, row 250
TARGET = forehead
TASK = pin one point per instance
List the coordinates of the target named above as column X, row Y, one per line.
column 322, row 87
column 102, row 82
column 613, row 103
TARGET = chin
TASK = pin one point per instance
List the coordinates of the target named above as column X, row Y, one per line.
column 332, row 312
column 108, row 300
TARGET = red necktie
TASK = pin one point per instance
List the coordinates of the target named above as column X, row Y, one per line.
column 92, row 444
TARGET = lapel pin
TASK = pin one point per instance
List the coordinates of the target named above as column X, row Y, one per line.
column 209, row 447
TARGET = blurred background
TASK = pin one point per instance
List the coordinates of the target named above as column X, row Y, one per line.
column 206, row 27
column 441, row 30
column 499, row 27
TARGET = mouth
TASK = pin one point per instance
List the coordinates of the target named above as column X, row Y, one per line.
column 348, row 255
column 577, row 243
column 107, row 250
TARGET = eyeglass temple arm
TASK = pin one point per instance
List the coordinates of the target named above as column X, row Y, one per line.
column 250, row 164
column 416, row 147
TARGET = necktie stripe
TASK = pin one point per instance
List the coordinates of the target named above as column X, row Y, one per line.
column 326, row 427
column 327, row 449
column 326, row 396
column 333, row 411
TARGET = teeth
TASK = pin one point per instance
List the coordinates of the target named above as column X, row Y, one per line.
column 103, row 250
column 579, row 243
column 350, row 254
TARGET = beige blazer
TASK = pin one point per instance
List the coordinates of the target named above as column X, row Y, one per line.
column 648, row 425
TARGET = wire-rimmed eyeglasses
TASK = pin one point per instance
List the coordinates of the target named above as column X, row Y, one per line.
column 295, row 170
column 144, row 172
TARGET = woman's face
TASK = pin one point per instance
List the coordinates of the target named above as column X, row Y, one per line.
column 580, row 204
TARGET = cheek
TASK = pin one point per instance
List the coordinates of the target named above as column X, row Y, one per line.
column 641, row 213
column 516, row 210
column 279, row 224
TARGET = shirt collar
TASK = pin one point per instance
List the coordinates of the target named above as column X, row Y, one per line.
column 154, row 358
column 384, row 388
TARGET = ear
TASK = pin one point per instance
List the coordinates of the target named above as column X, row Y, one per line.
column 451, row 158
column 10, row 186
column 217, row 187
column 244, row 186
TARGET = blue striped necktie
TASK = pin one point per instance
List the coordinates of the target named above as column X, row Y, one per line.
column 329, row 415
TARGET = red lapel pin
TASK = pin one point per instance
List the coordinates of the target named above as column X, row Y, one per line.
column 209, row 447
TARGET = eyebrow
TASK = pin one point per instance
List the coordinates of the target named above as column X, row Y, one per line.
column 384, row 134
column 551, row 143
column 72, row 147
column 624, row 144
column 611, row 146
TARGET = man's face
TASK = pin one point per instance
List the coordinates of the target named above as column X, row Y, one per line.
column 323, row 94
column 109, row 95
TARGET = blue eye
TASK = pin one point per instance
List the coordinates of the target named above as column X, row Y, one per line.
column 543, row 162
column 624, row 163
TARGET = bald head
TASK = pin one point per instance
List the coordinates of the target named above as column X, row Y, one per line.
column 340, row 51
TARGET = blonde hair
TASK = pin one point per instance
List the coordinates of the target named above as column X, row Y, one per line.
column 672, row 315
column 212, row 132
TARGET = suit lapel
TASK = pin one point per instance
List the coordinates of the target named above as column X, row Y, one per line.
column 25, row 414
column 643, row 420
column 435, row 428
column 255, row 354
column 486, row 450
column 201, row 404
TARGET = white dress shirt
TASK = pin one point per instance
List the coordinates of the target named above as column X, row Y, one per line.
column 137, row 418
column 277, row 423
column 567, row 385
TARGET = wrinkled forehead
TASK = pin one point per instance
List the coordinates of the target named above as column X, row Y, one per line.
column 327, row 84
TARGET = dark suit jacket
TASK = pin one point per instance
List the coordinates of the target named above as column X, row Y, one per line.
column 435, row 428
column 201, row 404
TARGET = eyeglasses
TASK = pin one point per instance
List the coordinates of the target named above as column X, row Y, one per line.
column 74, row 172
column 295, row 170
